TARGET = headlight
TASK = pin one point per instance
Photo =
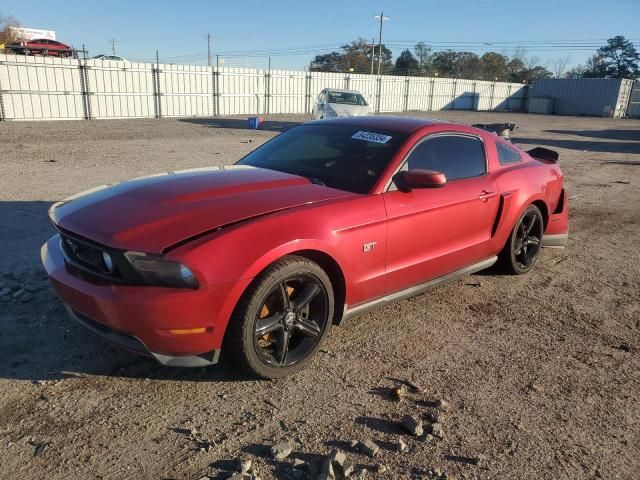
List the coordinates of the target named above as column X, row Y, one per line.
column 156, row 270
column 329, row 112
column 107, row 261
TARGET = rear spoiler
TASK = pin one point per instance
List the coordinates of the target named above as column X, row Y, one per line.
column 544, row 154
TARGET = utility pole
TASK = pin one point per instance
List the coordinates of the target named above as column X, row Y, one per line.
column 382, row 19
column 208, row 49
column 373, row 52
column 113, row 46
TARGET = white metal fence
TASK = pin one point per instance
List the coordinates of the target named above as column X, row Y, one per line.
column 47, row 88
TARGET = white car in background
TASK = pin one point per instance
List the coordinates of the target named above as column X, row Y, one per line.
column 113, row 58
column 332, row 103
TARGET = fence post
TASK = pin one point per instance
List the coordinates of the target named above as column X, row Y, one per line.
column 213, row 91
column 405, row 107
column 379, row 94
column 509, row 97
column 433, row 87
column 493, row 89
column 453, row 94
column 155, row 74
column 267, row 89
column 84, row 85
column 347, row 81
column 2, row 112
column 475, row 106
column 307, row 92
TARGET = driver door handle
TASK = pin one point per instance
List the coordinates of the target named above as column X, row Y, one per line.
column 486, row 195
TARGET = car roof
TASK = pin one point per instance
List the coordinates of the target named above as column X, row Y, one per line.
column 389, row 122
column 340, row 90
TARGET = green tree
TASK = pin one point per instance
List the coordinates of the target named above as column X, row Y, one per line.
column 423, row 54
column 621, row 59
column 328, row 62
column 406, row 64
column 494, row 66
column 596, row 67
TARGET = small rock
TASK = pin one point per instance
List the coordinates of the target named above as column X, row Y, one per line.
column 359, row 475
column 281, row 450
column 205, row 478
column 354, row 443
column 399, row 393
column 437, row 430
column 18, row 293
column 380, row 468
column 479, row 460
column 432, row 417
column 402, row 446
column 443, row 404
column 297, row 463
column 348, row 468
column 193, row 432
column 244, row 465
column 369, row 447
column 412, row 425
column 326, row 471
column 336, row 456
column 429, row 438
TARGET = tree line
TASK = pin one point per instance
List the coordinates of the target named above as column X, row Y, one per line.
column 617, row 59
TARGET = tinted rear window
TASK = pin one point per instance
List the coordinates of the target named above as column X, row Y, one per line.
column 330, row 154
column 506, row 154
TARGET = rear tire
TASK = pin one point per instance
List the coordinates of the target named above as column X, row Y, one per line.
column 520, row 253
column 281, row 320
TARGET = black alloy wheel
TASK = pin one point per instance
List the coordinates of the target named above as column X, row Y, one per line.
column 282, row 319
column 521, row 251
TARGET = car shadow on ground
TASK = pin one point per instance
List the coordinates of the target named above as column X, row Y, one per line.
column 584, row 145
column 241, row 123
column 38, row 340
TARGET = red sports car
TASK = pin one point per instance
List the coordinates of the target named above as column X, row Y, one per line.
column 42, row 46
column 323, row 222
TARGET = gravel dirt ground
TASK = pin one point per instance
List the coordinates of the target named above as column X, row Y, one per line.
column 541, row 372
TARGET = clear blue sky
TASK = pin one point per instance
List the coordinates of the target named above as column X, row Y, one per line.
column 178, row 28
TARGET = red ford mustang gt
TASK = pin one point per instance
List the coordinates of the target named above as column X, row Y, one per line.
column 323, row 222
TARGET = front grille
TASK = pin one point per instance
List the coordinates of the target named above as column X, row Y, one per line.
column 86, row 256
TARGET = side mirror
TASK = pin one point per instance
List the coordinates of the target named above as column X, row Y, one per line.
column 410, row 179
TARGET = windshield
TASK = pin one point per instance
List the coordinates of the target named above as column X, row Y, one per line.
column 339, row 156
column 346, row 98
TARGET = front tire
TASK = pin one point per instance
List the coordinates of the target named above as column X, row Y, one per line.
column 520, row 253
column 282, row 319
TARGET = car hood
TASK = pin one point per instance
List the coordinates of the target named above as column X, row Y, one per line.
column 152, row 213
column 343, row 110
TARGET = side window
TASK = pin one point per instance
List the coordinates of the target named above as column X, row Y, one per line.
column 506, row 154
column 456, row 156
column 321, row 97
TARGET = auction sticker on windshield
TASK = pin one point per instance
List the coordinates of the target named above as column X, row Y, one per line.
column 371, row 137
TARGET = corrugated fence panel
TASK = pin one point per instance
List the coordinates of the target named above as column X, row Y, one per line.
column 584, row 96
column 41, row 88
column 185, row 90
column 366, row 85
column 241, row 91
column 420, row 94
column 120, row 89
column 392, row 93
column 634, row 100
column 288, row 91
column 52, row 88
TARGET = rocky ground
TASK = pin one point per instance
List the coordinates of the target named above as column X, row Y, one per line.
column 488, row 377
